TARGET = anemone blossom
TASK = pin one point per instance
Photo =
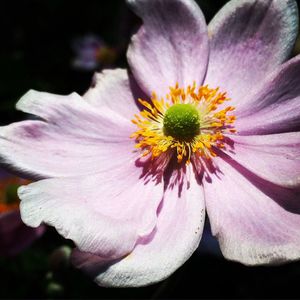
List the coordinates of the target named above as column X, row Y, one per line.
column 206, row 120
column 92, row 53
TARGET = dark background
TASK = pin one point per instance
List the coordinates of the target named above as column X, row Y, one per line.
column 36, row 53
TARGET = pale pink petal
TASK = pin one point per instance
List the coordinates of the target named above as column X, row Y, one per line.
column 275, row 107
column 171, row 46
column 15, row 236
column 255, row 222
column 103, row 214
column 176, row 237
column 274, row 157
column 247, row 40
column 78, row 115
column 117, row 90
column 74, row 140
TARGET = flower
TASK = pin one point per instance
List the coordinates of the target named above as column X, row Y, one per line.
column 216, row 129
column 15, row 236
column 92, row 52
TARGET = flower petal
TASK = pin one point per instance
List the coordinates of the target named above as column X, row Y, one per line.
column 15, row 236
column 117, row 90
column 73, row 140
column 103, row 214
column 251, row 218
column 275, row 107
column 170, row 47
column 274, row 157
column 177, row 235
column 247, row 40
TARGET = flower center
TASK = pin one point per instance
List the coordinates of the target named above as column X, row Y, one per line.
column 186, row 122
column 182, row 122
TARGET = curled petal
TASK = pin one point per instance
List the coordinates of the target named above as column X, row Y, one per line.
column 72, row 139
column 247, row 40
column 255, row 222
column 275, row 107
column 117, row 90
column 274, row 157
column 103, row 214
column 171, row 46
column 175, row 238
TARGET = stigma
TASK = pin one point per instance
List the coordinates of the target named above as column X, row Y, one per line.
column 182, row 121
column 188, row 122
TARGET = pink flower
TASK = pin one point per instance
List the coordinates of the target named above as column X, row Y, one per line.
column 15, row 236
column 133, row 195
column 92, row 53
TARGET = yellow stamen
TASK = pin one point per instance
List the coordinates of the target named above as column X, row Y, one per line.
column 152, row 140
